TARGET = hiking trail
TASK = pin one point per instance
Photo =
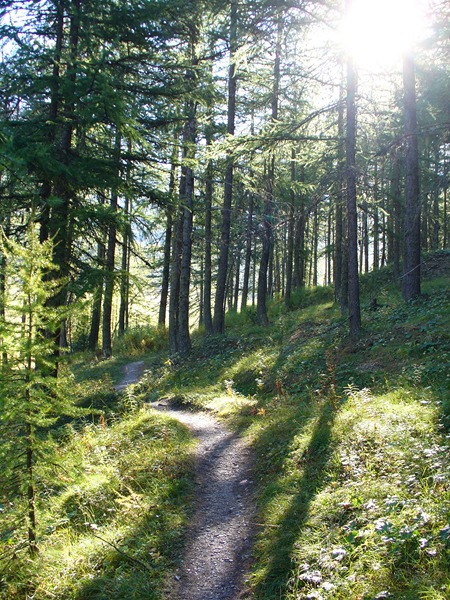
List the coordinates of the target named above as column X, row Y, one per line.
column 216, row 558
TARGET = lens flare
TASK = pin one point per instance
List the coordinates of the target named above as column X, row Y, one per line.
column 377, row 32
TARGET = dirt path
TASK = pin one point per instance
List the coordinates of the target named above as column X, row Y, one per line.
column 217, row 556
column 133, row 372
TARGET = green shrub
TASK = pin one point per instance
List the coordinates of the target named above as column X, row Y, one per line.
column 139, row 340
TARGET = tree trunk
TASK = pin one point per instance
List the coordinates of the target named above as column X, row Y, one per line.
column 352, row 220
column 290, row 231
column 248, row 253
column 365, row 240
column 277, row 270
column 270, row 269
column 56, row 221
column 411, row 267
column 110, row 264
column 97, row 300
column 6, row 224
column 261, row 308
column 328, row 250
column 168, row 236
column 124, row 273
column 55, row 100
column 237, row 280
column 29, row 435
column 338, row 245
column 340, row 261
column 109, row 285
column 435, row 193
column 298, row 277
column 208, row 242
column 315, row 234
column 255, row 248
column 384, row 243
column 445, row 217
column 219, row 303
column 424, row 227
column 267, row 236
column 166, row 269
column 124, row 307
column 283, row 258
column 31, row 495
column 184, row 340
column 376, row 222
column 396, row 219
column 175, row 270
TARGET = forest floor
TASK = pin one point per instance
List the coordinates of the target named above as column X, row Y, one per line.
column 276, row 462
column 216, row 558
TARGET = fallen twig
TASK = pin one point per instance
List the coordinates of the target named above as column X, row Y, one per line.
column 135, row 560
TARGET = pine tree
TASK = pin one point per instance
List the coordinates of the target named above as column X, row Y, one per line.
column 352, row 227
column 31, row 399
column 411, row 276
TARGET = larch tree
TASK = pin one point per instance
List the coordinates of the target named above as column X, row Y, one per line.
column 219, row 302
column 411, row 266
column 267, row 227
column 352, row 219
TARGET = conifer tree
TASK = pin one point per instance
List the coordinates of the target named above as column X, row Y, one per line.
column 31, row 400
column 411, row 276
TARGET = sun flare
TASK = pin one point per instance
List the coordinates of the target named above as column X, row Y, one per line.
column 377, row 32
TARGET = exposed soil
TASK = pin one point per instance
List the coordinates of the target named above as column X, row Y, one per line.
column 217, row 554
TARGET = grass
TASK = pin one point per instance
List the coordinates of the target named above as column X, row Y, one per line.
column 114, row 504
column 352, row 447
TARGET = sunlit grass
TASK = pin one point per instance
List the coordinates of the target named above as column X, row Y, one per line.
column 351, row 507
column 352, row 474
column 352, row 471
column 113, row 515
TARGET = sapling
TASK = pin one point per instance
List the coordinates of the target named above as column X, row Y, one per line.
column 31, row 398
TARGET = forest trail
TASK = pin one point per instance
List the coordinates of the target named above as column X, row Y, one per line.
column 133, row 372
column 217, row 554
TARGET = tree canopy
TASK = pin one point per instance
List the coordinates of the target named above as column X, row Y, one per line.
column 194, row 157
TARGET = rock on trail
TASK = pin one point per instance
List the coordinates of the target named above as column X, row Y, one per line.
column 217, row 554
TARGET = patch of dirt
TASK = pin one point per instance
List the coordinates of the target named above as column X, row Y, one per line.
column 303, row 333
column 217, row 555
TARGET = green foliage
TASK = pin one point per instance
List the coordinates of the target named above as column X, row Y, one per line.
column 305, row 296
column 111, row 517
column 141, row 340
column 32, row 397
column 351, row 440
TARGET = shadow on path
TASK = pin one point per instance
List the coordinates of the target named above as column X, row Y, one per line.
column 217, row 553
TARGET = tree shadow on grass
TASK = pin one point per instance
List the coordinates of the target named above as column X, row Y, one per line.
column 314, row 461
column 135, row 565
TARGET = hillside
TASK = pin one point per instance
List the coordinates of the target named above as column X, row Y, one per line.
column 351, row 441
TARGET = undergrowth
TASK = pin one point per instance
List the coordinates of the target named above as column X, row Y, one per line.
column 352, row 469
column 113, row 507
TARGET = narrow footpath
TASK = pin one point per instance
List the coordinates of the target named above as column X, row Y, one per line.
column 217, row 555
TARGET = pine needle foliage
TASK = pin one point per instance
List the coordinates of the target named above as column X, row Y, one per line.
column 32, row 397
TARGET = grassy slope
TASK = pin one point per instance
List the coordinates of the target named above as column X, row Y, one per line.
column 353, row 472
column 114, row 500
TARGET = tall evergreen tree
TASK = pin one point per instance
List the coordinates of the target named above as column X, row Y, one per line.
column 219, row 303
column 352, row 223
column 411, row 275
